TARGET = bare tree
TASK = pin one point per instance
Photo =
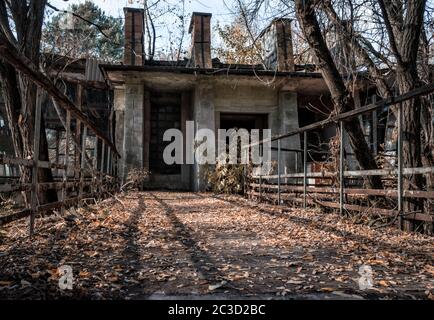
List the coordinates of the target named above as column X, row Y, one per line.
column 21, row 24
column 342, row 99
column 391, row 42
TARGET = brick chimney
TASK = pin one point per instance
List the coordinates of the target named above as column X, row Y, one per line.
column 200, row 30
column 278, row 52
column 134, row 37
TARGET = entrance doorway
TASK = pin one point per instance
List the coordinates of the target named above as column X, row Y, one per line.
column 243, row 121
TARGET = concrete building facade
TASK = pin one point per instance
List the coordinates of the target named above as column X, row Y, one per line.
column 153, row 96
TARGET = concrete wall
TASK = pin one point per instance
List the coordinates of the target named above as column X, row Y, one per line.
column 207, row 101
column 248, row 99
column 132, row 150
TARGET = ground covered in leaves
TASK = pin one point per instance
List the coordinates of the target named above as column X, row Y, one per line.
column 163, row 245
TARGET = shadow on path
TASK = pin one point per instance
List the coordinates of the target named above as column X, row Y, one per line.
column 307, row 223
column 131, row 257
column 202, row 261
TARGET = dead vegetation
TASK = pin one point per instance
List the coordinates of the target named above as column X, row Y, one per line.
column 228, row 178
column 136, row 179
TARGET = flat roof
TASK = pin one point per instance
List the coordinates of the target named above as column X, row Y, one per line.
column 214, row 71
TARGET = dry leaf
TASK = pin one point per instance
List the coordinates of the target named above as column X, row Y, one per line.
column 6, row 283
column 217, row 286
column 84, row 274
column 383, row 283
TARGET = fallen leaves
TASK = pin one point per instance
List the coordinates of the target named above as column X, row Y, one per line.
column 234, row 276
column 429, row 269
column 184, row 243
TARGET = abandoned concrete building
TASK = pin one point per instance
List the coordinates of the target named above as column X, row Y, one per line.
column 137, row 101
column 153, row 96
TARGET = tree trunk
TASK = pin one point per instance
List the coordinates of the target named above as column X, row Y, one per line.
column 405, row 37
column 18, row 90
column 342, row 99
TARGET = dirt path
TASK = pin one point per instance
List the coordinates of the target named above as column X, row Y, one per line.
column 169, row 245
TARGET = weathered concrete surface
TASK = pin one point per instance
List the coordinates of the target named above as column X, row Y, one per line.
column 132, row 154
column 207, row 102
column 204, row 118
column 242, row 98
column 283, row 120
column 119, row 108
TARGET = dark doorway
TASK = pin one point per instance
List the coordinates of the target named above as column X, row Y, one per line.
column 243, row 121
column 165, row 115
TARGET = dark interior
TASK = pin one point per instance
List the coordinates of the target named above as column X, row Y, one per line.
column 165, row 115
column 243, row 121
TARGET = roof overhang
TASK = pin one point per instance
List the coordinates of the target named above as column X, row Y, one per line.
column 173, row 77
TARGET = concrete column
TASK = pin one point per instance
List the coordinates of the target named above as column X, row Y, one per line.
column 284, row 120
column 132, row 154
column 147, row 130
column 119, row 108
column 186, row 115
column 204, row 117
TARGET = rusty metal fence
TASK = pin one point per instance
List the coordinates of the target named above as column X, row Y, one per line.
column 339, row 189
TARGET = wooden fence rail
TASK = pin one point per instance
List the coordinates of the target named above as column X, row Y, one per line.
column 97, row 174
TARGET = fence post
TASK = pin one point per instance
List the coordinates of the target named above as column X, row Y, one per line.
column 57, row 152
column 109, row 152
column 112, row 159
column 113, row 168
column 35, row 169
column 245, row 172
column 102, row 168
column 83, row 161
column 341, row 169
column 66, row 159
column 400, row 169
column 296, row 162
column 95, row 188
column 117, row 167
column 305, row 171
column 278, row 170
column 108, row 160
column 375, row 127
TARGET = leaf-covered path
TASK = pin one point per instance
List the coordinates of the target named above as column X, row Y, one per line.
column 161, row 245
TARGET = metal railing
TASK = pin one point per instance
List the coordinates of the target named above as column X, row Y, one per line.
column 310, row 195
